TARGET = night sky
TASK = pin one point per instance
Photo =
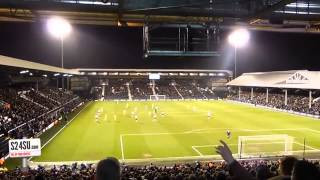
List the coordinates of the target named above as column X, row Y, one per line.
column 117, row 47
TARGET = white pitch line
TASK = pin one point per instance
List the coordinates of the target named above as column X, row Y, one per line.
column 215, row 145
column 284, row 129
column 204, row 129
column 312, row 130
column 253, row 130
column 307, row 146
column 62, row 128
column 212, row 145
column 196, row 150
column 121, row 146
column 211, row 129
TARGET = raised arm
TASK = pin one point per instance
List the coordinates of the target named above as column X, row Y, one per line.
column 236, row 169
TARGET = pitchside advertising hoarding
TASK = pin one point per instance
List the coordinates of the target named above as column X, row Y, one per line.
column 24, row 147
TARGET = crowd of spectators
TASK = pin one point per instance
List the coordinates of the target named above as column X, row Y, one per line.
column 287, row 168
column 117, row 89
column 172, row 88
column 25, row 113
column 140, row 88
column 295, row 102
column 16, row 110
column 41, row 99
column 167, row 87
column 58, row 95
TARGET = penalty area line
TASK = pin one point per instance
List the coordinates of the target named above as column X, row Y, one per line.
column 306, row 146
column 196, row 150
column 62, row 128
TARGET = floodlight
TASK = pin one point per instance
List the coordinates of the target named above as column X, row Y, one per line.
column 24, row 71
column 239, row 38
column 58, row 27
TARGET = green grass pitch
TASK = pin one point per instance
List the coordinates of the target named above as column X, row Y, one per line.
column 183, row 131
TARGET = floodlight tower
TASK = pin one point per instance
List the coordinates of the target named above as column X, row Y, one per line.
column 238, row 39
column 59, row 28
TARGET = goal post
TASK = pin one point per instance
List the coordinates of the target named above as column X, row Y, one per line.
column 157, row 97
column 265, row 145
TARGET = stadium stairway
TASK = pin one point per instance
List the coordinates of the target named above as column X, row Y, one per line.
column 153, row 88
column 129, row 92
column 178, row 91
column 198, row 89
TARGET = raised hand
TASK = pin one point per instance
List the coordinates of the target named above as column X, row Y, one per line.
column 225, row 152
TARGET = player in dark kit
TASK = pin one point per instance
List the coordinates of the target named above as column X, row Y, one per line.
column 228, row 134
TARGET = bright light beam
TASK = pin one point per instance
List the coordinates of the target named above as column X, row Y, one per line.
column 58, row 27
column 239, row 38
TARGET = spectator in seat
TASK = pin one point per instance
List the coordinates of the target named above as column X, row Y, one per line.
column 304, row 170
column 286, row 166
column 108, row 169
column 262, row 172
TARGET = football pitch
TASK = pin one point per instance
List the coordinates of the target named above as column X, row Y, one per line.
column 164, row 130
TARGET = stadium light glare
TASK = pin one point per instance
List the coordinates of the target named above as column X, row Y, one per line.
column 58, row 27
column 24, row 71
column 239, row 38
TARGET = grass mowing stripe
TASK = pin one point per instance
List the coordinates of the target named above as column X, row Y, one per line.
column 62, row 128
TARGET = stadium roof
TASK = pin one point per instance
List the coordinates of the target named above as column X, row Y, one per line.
column 18, row 63
column 298, row 79
column 257, row 14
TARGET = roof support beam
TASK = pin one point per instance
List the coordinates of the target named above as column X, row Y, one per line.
column 268, row 10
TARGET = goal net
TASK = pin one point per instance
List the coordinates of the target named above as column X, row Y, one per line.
column 265, row 145
column 157, row 97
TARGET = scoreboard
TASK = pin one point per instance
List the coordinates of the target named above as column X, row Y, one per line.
column 24, row 147
column 154, row 76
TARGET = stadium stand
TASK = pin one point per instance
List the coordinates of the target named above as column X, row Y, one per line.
column 254, row 169
column 173, row 88
column 294, row 91
column 26, row 113
column 117, row 89
column 139, row 88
